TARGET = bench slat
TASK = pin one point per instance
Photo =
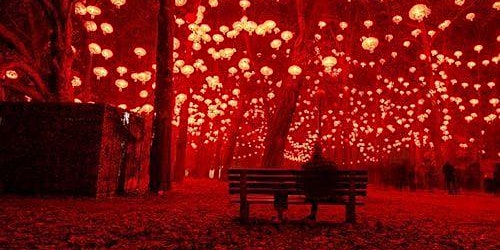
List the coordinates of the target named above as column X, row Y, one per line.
column 292, row 185
column 294, row 178
column 357, row 192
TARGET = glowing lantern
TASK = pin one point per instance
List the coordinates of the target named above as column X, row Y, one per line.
column 95, row 49
column 368, row 23
column 121, row 70
column 470, row 16
column 494, row 102
column 329, row 62
column 266, row 71
column 418, row 12
column 458, row 54
column 294, row 70
column 100, row 72
column 459, row 2
column 140, row 52
column 187, row 70
column 213, row 3
column 93, row 11
column 106, row 28
column 286, row 36
column 244, row 64
column 370, row 44
column 106, row 53
column 11, row 74
column 397, row 19
column 491, row 84
column 343, row 25
column 180, row 3
column 121, row 84
column 80, row 9
column 496, row 5
column 90, row 26
column 76, row 81
column 223, row 29
column 478, row 48
column 148, row 108
column 143, row 94
column 276, row 44
column 232, row 70
column 471, row 64
column 244, row 4
column 321, row 24
column 474, row 102
column 218, row 38
column 118, row 3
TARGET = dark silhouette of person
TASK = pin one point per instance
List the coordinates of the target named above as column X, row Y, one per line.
column 280, row 204
column 496, row 179
column 318, row 180
column 450, row 177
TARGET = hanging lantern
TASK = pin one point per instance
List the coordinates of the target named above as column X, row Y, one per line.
column 118, row 3
column 95, row 49
column 106, row 28
column 11, row 74
column 180, row 3
column 121, row 84
column 121, row 70
column 343, row 25
column 244, row 64
column 140, row 52
column 90, row 26
column 100, row 72
column 106, row 53
column 244, row 4
column 294, row 70
column 276, row 44
column 143, row 94
column 93, row 11
column 76, row 81
column 80, row 9
column 418, row 12
column 187, row 70
column 370, row 44
column 397, row 19
column 266, row 71
column 286, row 36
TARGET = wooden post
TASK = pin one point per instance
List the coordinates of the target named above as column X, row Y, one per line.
column 350, row 208
column 244, row 207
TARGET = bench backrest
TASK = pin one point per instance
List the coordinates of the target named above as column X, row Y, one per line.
column 271, row 181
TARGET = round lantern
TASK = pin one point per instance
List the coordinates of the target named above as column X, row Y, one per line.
column 95, row 49
column 294, row 70
column 118, row 3
column 106, row 28
column 266, row 71
column 80, row 9
column 187, row 70
column 418, row 12
column 121, row 70
column 121, row 84
column 106, row 53
column 140, row 52
column 93, row 11
column 100, row 72
column 370, row 44
column 11, row 74
column 90, row 26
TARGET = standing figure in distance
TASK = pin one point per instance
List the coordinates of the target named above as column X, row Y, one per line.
column 450, row 177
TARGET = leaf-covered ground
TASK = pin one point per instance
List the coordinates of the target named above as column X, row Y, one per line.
column 197, row 214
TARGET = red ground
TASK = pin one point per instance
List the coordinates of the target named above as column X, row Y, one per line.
column 197, row 215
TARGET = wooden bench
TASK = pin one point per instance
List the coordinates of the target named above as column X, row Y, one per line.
column 258, row 186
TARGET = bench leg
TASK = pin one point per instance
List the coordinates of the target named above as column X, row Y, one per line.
column 350, row 213
column 244, row 212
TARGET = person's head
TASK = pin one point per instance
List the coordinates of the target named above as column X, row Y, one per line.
column 317, row 151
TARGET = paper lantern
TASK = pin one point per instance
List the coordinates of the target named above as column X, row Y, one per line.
column 418, row 12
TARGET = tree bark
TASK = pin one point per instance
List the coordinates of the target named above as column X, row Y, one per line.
column 160, row 168
column 181, row 143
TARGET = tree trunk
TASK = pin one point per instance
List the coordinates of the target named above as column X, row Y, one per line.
column 280, row 123
column 181, row 143
column 160, row 152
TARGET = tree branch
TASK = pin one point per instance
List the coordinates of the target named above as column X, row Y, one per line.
column 31, row 73
column 22, row 89
column 12, row 38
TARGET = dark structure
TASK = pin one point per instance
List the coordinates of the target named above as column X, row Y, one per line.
column 78, row 149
